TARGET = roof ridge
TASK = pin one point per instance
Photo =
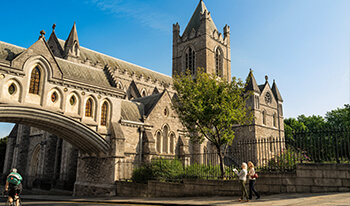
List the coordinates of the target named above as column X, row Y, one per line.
column 12, row 45
column 80, row 64
column 81, row 47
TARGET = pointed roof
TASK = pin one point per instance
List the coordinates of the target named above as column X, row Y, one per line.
column 195, row 21
column 276, row 92
column 134, row 91
column 251, row 83
column 73, row 36
column 155, row 90
column 149, row 102
column 53, row 41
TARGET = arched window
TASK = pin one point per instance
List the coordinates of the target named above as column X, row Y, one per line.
column 12, row 89
column 190, row 60
column 165, row 139
column 159, row 142
column 205, row 155
column 172, row 143
column 88, row 108
column 218, row 62
column 34, row 81
column 54, row 97
column 104, row 113
column 274, row 120
column 120, row 85
column 264, row 117
column 144, row 93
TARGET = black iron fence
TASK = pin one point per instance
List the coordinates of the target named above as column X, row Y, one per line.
column 282, row 154
column 268, row 154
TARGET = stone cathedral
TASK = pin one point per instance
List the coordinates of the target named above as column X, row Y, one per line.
column 84, row 119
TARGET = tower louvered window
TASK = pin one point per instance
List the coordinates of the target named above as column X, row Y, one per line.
column 218, row 62
column 34, row 81
column 190, row 60
column 88, row 108
column 104, row 112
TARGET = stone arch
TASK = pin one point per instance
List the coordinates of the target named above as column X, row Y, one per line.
column 17, row 95
column 34, row 161
column 77, row 134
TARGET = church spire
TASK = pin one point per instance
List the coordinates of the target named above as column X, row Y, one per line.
column 251, row 83
column 71, row 46
column 276, row 92
column 195, row 21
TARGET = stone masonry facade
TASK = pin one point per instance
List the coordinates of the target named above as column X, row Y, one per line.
column 85, row 120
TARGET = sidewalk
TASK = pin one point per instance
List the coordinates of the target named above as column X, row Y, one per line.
column 279, row 199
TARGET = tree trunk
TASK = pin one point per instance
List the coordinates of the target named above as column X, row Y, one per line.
column 222, row 169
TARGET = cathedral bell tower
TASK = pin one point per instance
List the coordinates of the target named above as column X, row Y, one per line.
column 202, row 46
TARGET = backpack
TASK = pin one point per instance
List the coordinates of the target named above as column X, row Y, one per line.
column 14, row 179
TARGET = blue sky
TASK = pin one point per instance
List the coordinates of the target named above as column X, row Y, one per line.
column 302, row 44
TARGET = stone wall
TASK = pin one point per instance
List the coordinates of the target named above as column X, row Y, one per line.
column 308, row 178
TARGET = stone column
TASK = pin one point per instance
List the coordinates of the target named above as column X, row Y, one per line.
column 95, row 176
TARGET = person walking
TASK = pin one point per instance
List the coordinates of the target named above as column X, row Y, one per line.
column 252, row 180
column 242, row 180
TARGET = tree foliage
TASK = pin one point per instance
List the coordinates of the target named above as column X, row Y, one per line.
column 337, row 118
column 209, row 106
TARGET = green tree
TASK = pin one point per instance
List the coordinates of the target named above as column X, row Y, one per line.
column 209, row 106
column 339, row 117
column 3, row 143
column 312, row 122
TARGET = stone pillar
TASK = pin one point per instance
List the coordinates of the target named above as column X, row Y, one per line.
column 148, row 146
column 95, row 176
column 68, row 167
column 184, row 151
column 20, row 156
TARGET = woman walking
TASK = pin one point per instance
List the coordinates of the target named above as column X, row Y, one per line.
column 242, row 179
column 252, row 181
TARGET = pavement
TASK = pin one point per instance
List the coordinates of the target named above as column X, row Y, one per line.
column 340, row 199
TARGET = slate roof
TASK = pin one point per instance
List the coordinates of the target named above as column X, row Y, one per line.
column 8, row 51
column 194, row 23
column 131, row 111
column 103, row 59
column 81, row 72
column 149, row 102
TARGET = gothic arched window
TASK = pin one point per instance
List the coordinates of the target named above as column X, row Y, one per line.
column 88, row 108
column 190, row 60
column 172, row 143
column 159, row 142
column 218, row 62
column 104, row 114
column 165, row 139
column 264, row 117
column 34, row 81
